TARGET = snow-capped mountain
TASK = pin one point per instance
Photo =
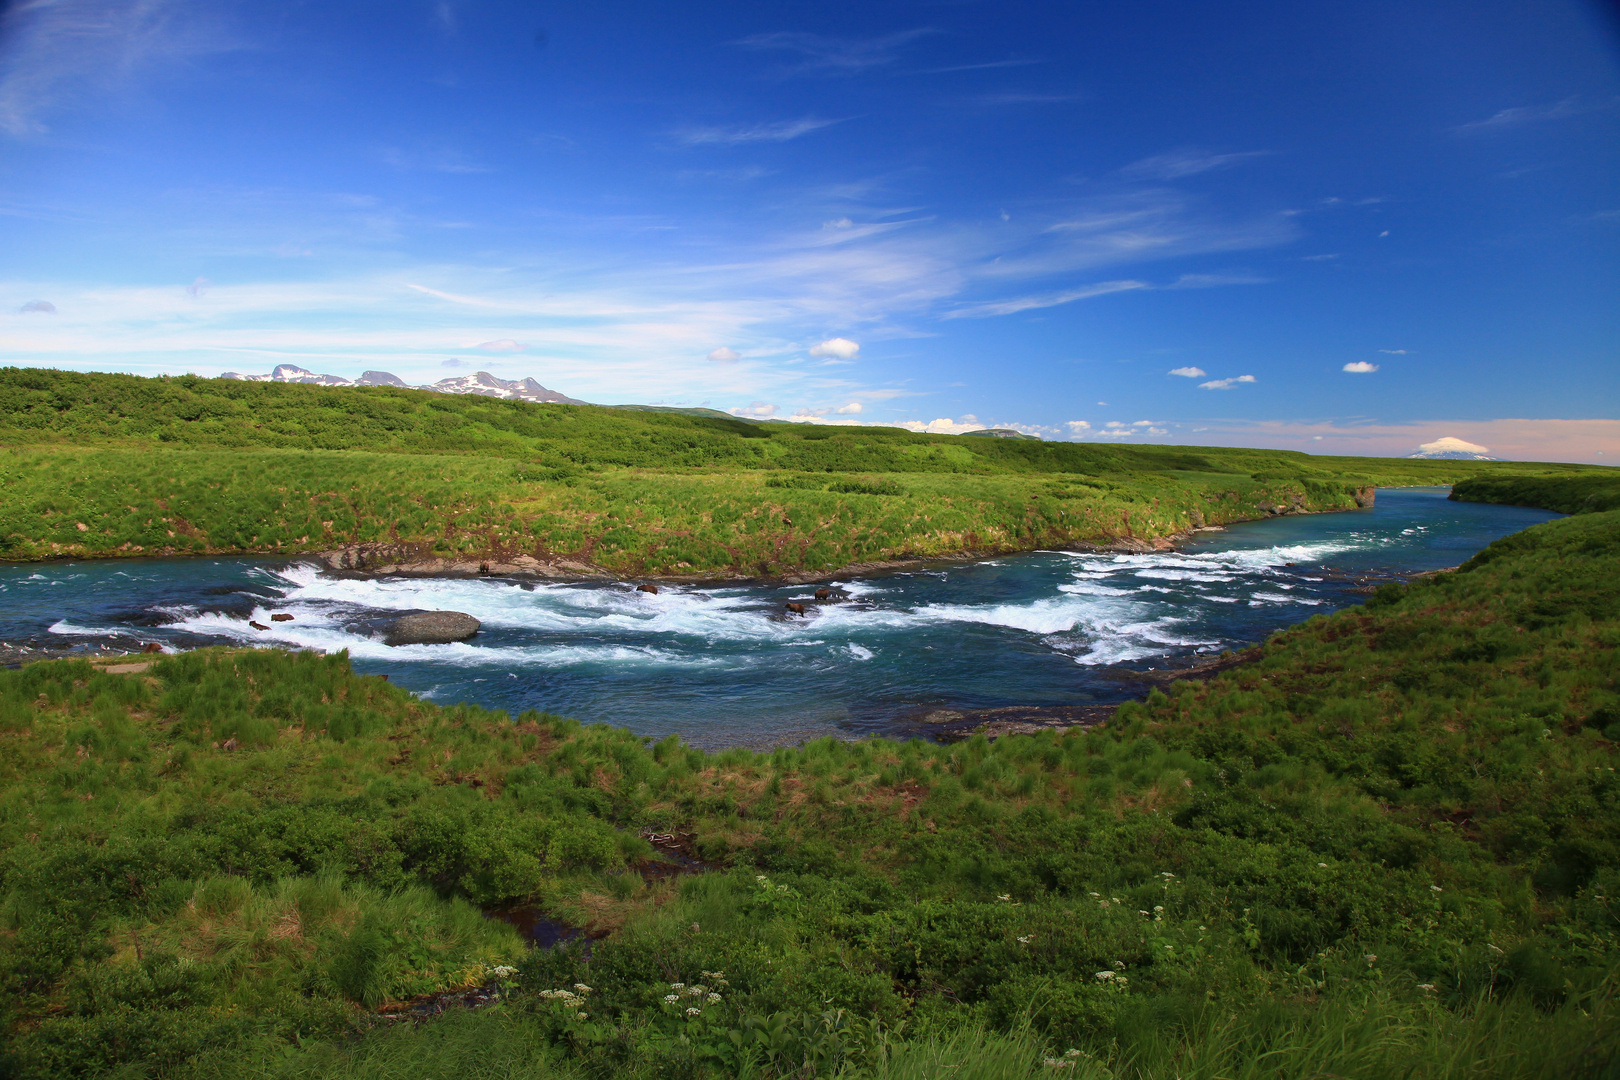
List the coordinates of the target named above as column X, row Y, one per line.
column 483, row 383
column 1452, row 455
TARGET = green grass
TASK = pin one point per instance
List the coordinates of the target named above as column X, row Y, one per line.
column 1387, row 846
column 114, row 465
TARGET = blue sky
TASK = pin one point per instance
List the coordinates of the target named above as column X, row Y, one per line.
column 1350, row 228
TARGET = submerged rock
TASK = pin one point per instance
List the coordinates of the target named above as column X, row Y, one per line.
column 430, row 628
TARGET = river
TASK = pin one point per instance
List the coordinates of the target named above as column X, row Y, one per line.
column 726, row 665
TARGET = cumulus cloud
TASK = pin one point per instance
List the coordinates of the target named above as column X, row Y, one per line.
column 44, row 307
column 1077, row 427
column 1360, row 367
column 842, row 348
column 1226, row 384
column 725, row 354
column 1189, row 372
column 1451, row 445
column 757, row 410
column 502, row 345
column 736, row 134
column 852, row 409
column 1179, row 163
column 944, row 425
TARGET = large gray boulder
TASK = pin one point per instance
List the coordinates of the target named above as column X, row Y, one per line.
column 430, row 628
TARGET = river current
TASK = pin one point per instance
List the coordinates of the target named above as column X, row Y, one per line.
column 726, row 665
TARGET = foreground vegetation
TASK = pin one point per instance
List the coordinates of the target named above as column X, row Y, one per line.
column 109, row 465
column 1388, row 846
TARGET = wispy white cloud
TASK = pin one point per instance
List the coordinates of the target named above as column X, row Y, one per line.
column 38, row 307
column 1189, row 372
column 818, row 54
column 1176, row 164
column 1028, row 303
column 1017, row 97
column 1394, row 352
column 757, row 410
column 1227, row 384
column 1215, row 281
column 725, row 355
column 61, row 53
column 501, row 345
column 852, row 409
column 735, row 134
column 1360, row 367
column 1520, row 115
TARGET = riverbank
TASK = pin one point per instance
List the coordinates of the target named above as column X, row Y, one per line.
column 1387, row 835
column 105, row 466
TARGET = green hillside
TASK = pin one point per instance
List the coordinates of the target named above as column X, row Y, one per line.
column 1388, row 846
column 110, row 465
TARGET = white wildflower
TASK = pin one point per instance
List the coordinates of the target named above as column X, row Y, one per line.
column 1119, row 965
column 1426, row 986
column 1071, row 1053
column 1005, row 898
column 694, row 1012
column 1104, row 976
column 677, row 986
column 671, row 998
column 1094, row 894
column 1372, row 958
column 713, row 999
column 582, row 1016
column 1025, row 940
column 582, row 988
column 760, row 878
column 505, row 971
column 1436, row 888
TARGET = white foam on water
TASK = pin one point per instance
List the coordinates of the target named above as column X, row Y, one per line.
column 859, row 652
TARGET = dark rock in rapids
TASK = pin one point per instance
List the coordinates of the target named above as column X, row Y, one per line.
column 648, row 589
column 430, row 628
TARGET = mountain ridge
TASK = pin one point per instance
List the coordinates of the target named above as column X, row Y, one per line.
column 481, row 383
